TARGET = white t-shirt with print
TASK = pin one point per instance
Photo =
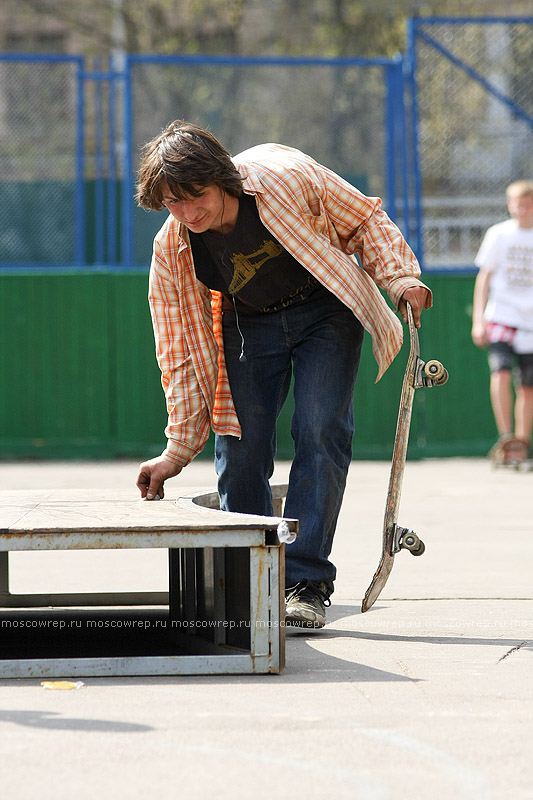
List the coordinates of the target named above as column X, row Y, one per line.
column 507, row 252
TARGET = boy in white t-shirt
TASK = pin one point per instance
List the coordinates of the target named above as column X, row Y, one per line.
column 503, row 320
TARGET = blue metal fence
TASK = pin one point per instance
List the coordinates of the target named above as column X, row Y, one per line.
column 42, row 158
column 347, row 113
column 438, row 135
column 472, row 123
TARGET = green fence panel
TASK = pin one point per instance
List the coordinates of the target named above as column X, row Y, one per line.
column 38, row 226
column 80, row 380
column 455, row 419
column 56, row 397
column 139, row 407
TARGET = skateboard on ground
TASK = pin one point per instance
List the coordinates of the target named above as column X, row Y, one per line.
column 418, row 374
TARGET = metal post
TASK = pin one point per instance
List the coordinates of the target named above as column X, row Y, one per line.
column 391, row 89
column 111, row 166
column 127, row 177
column 402, row 142
column 99, row 210
column 79, row 202
column 419, row 227
column 4, row 573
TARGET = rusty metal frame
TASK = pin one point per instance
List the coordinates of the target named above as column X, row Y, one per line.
column 201, row 591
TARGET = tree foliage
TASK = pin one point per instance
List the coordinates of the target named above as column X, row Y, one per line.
column 329, row 28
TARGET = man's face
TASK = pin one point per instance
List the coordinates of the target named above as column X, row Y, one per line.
column 201, row 213
column 521, row 210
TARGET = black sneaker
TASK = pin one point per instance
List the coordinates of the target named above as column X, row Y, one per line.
column 306, row 603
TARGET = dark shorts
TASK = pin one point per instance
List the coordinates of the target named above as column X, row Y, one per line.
column 502, row 357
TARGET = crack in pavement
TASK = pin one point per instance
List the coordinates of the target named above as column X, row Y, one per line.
column 512, row 650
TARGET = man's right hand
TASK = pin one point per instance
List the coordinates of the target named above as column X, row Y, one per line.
column 153, row 474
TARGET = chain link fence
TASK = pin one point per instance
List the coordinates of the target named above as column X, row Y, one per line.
column 39, row 160
column 475, row 128
column 71, row 137
column 440, row 155
column 334, row 111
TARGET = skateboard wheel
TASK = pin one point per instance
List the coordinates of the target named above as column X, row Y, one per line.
column 436, row 371
column 419, row 550
column 441, row 381
column 410, row 541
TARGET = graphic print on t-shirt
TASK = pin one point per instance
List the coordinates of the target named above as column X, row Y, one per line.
column 250, row 266
column 519, row 266
column 245, row 266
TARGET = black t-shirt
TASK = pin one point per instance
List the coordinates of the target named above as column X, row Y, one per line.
column 249, row 265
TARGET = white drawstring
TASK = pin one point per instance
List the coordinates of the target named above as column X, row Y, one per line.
column 242, row 357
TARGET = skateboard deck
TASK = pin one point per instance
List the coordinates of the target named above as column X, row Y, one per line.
column 418, row 374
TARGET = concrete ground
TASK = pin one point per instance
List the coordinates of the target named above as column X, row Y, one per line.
column 428, row 695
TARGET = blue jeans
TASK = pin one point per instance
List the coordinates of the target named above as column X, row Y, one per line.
column 319, row 342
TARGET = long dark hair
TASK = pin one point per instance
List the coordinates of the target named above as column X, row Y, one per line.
column 186, row 158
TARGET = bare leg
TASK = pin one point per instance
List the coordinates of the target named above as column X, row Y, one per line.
column 502, row 400
column 524, row 412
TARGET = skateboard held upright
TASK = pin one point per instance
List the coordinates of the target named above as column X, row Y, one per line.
column 418, row 374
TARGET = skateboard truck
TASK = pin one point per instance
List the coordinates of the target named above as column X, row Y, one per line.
column 405, row 539
column 429, row 373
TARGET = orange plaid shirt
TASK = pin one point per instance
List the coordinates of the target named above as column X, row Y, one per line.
column 324, row 222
